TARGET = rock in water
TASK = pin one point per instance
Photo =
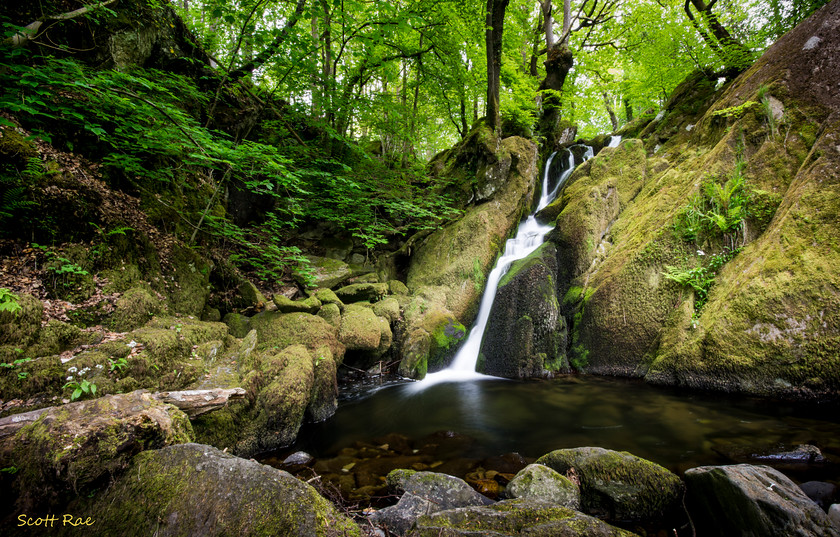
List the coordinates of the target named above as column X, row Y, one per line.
column 752, row 500
column 514, row 517
column 540, row 482
column 193, row 489
column 526, row 333
column 618, row 486
column 424, row 493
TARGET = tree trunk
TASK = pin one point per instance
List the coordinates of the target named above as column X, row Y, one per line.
column 557, row 67
column 734, row 55
column 493, row 38
column 628, row 110
column 610, row 111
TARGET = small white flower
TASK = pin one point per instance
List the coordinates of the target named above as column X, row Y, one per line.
column 132, row 344
column 70, row 377
column 72, row 369
column 99, row 366
column 701, row 252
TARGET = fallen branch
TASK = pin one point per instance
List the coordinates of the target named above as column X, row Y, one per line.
column 31, row 30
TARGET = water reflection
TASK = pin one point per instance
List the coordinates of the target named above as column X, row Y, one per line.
column 676, row 430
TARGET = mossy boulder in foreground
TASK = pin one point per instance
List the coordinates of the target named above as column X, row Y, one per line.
column 752, row 500
column 618, row 486
column 79, row 446
column 193, row 489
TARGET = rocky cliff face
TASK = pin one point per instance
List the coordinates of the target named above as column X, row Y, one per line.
column 706, row 254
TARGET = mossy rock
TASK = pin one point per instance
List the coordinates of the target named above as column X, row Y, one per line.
column 446, row 335
column 396, row 287
column 323, row 400
column 186, row 283
column 525, row 336
column 618, row 486
column 21, row 327
column 56, row 337
column 331, row 313
column 279, row 330
column 194, row 489
column 388, row 308
column 38, row 376
column 360, row 328
column 238, row 324
column 514, row 517
column 362, row 292
column 540, row 482
column 287, row 305
column 75, row 448
column 327, row 296
column 134, row 309
column 283, row 392
column 326, row 272
column 248, row 296
column 415, row 354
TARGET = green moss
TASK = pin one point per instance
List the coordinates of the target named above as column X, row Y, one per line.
column 21, row 328
column 134, row 309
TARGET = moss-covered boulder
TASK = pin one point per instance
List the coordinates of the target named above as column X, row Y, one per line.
column 514, row 517
column 248, row 296
column 326, row 272
column 388, row 308
column 752, row 500
column 331, row 313
column 186, row 281
column 238, row 324
column 525, row 335
column 539, row 482
column 360, row 329
column 21, row 327
column 618, row 486
column 193, row 489
column 80, row 446
column 327, row 296
column 287, row 305
column 362, row 292
column 323, row 398
column 134, row 309
column 432, row 344
column 277, row 331
column 281, row 389
column 56, row 337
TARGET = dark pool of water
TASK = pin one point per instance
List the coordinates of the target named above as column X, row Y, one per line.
column 677, row 430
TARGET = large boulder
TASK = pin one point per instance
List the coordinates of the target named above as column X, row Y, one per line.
column 326, row 272
column 423, row 493
column 134, row 308
column 618, row 486
column 533, row 518
column 359, row 328
column 279, row 330
column 78, row 447
column 525, row 335
column 193, row 489
column 752, row 500
column 20, row 328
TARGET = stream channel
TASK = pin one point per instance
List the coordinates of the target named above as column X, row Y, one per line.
column 457, row 420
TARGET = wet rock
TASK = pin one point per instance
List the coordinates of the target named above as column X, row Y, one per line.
column 540, row 482
column 834, row 515
column 361, row 292
column 298, row 457
column 79, row 446
column 822, row 493
column 514, row 517
column 193, row 489
column 526, row 332
column 423, row 493
column 752, row 500
column 323, row 400
column 618, row 486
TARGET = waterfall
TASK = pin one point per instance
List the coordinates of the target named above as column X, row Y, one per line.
column 614, row 141
column 529, row 237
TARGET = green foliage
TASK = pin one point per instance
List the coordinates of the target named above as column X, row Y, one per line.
column 718, row 211
column 118, row 365
column 9, row 301
column 80, row 389
column 701, row 277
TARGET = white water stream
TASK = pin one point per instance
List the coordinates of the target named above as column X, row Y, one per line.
column 529, row 237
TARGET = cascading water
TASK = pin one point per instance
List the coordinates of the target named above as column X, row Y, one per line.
column 529, row 237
